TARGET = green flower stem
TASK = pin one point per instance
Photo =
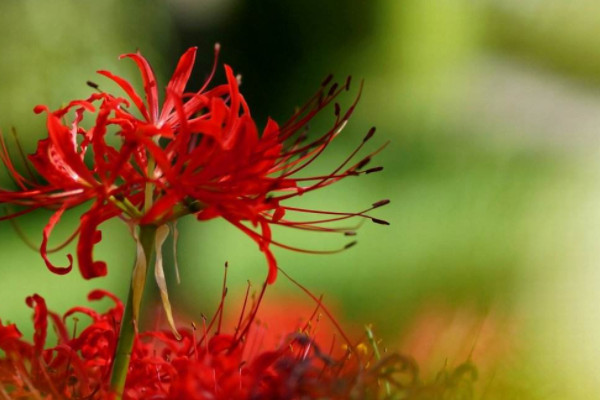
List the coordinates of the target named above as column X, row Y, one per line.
column 128, row 328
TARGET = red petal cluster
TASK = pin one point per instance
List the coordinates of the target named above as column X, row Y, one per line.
column 201, row 153
column 207, row 365
column 76, row 367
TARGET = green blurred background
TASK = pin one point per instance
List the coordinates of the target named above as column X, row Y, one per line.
column 491, row 108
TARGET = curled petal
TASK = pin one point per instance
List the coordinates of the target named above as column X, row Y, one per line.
column 99, row 294
column 263, row 242
column 40, row 320
column 44, row 247
column 88, row 237
column 264, row 247
column 93, row 314
column 272, row 276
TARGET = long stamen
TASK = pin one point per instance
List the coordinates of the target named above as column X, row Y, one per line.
column 223, row 294
column 322, row 306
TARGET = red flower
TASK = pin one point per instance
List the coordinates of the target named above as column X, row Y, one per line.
column 200, row 154
column 204, row 364
column 75, row 368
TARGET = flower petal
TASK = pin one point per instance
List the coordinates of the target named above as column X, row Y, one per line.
column 44, row 246
column 40, row 320
column 178, row 81
column 126, row 86
column 263, row 243
column 88, row 237
column 149, row 83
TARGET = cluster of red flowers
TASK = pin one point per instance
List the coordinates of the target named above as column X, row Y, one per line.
column 204, row 364
column 200, row 154
column 76, row 367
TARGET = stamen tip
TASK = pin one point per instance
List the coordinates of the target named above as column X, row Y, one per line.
column 363, row 162
column 332, row 89
column 380, row 221
column 372, row 170
column 351, row 244
column 381, row 203
column 327, row 80
column 91, row 84
column 369, row 134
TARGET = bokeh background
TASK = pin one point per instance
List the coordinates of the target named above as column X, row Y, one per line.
column 492, row 111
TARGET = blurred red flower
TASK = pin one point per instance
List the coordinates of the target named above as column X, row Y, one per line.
column 201, row 154
column 204, row 364
column 76, row 367
column 440, row 334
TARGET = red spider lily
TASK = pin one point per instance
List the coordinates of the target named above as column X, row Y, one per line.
column 202, row 365
column 76, row 367
column 200, row 154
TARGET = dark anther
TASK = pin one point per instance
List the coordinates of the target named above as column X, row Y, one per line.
column 375, row 169
column 369, row 134
column 119, row 196
column 363, row 162
column 337, row 109
column 327, row 80
column 302, row 339
column 380, row 221
column 349, row 233
column 350, row 244
column 381, row 203
column 348, row 80
column 332, row 89
column 93, row 85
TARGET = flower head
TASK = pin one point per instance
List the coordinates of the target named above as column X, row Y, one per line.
column 77, row 367
column 201, row 153
column 205, row 364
